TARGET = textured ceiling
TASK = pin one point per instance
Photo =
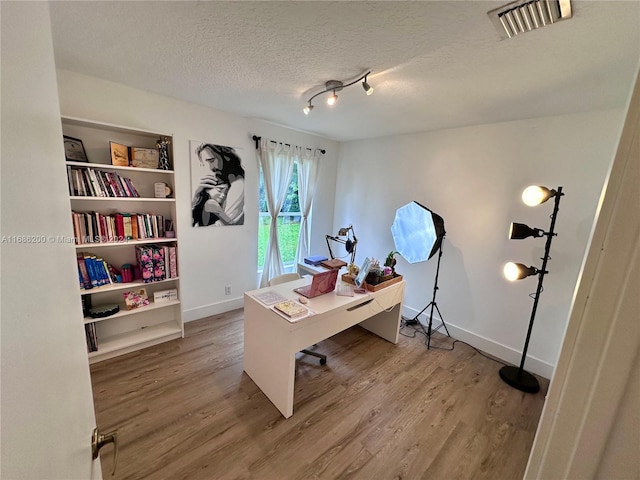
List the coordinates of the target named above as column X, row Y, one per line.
column 434, row 64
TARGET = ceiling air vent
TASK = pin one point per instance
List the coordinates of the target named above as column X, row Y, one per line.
column 523, row 16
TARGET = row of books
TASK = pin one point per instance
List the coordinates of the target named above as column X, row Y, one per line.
column 92, row 337
column 155, row 262
column 89, row 182
column 95, row 227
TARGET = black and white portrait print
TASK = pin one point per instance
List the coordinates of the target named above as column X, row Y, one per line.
column 217, row 184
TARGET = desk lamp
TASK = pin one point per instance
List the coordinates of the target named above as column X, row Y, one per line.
column 349, row 242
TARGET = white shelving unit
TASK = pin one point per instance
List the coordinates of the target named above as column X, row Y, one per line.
column 127, row 330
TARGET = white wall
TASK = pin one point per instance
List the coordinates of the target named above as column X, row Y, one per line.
column 210, row 258
column 47, row 405
column 473, row 178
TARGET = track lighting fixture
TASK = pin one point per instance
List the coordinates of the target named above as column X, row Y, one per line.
column 334, row 86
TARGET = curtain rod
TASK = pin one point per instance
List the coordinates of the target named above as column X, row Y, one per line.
column 257, row 139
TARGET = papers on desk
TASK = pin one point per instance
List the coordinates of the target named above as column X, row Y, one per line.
column 269, row 297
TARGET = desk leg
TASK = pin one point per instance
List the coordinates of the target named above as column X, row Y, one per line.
column 268, row 360
column 385, row 324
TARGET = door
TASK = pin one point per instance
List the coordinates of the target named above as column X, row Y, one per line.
column 47, row 405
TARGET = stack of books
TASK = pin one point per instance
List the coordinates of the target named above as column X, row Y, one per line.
column 315, row 260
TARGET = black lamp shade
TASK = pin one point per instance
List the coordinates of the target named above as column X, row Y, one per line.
column 518, row 231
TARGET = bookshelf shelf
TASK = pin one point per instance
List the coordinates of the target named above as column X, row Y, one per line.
column 119, row 344
column 85, row 246
column 143, row 218
column 122, row 199
column 104, row 166
column 135, row 285
column 124, row 312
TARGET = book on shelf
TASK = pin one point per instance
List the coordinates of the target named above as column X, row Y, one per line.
column 173, row 261
column 136, row 299
column 119, row 154
column 291, row 308
column 92, row 337
column 84, row 272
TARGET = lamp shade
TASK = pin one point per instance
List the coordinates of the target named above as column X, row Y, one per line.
column 518, row 271
column 518, row 231
column 417, row 232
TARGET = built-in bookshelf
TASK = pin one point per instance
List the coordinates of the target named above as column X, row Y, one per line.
column 119, row 222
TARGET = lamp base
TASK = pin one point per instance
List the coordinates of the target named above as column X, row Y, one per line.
column 521, row 380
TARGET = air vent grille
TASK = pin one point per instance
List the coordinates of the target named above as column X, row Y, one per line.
column 524, row 16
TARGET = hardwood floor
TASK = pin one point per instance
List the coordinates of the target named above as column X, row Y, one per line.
column 185, row 409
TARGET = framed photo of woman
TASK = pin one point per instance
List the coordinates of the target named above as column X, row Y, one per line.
column 74, row 150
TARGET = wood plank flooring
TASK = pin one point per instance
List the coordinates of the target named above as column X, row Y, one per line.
column 186, row 410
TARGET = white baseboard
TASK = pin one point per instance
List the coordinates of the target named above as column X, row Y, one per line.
column 212, row 309
column 504, row 353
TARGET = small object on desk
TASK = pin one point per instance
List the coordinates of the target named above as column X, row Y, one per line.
column 291, row 308
column 270, row 297
column 315, row 260
column 334, row 263
column 345, row 290
column 302, row 299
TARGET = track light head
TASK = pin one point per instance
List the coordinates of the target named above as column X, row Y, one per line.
column 307, row 109
column 518, row 271
column 367, row 88
column 331, row 100
column 535, row 195
column 519, row 231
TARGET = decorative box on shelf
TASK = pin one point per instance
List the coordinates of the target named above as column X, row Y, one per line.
column 374, row 288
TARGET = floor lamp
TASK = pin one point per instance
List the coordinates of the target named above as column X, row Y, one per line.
column 418, row 234
column 517, row 377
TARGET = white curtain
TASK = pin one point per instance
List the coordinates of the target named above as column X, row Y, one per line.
column 276, row 160
column 308, row 163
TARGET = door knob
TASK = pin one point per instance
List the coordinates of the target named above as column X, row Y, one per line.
column 99, row 440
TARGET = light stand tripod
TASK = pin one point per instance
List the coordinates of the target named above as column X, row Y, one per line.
column 433, row 305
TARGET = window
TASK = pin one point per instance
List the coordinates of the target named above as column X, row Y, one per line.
column 288, row 222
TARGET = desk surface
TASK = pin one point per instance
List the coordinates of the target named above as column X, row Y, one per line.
column 329, row 302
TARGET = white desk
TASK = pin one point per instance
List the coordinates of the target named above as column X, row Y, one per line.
column 272, row 341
